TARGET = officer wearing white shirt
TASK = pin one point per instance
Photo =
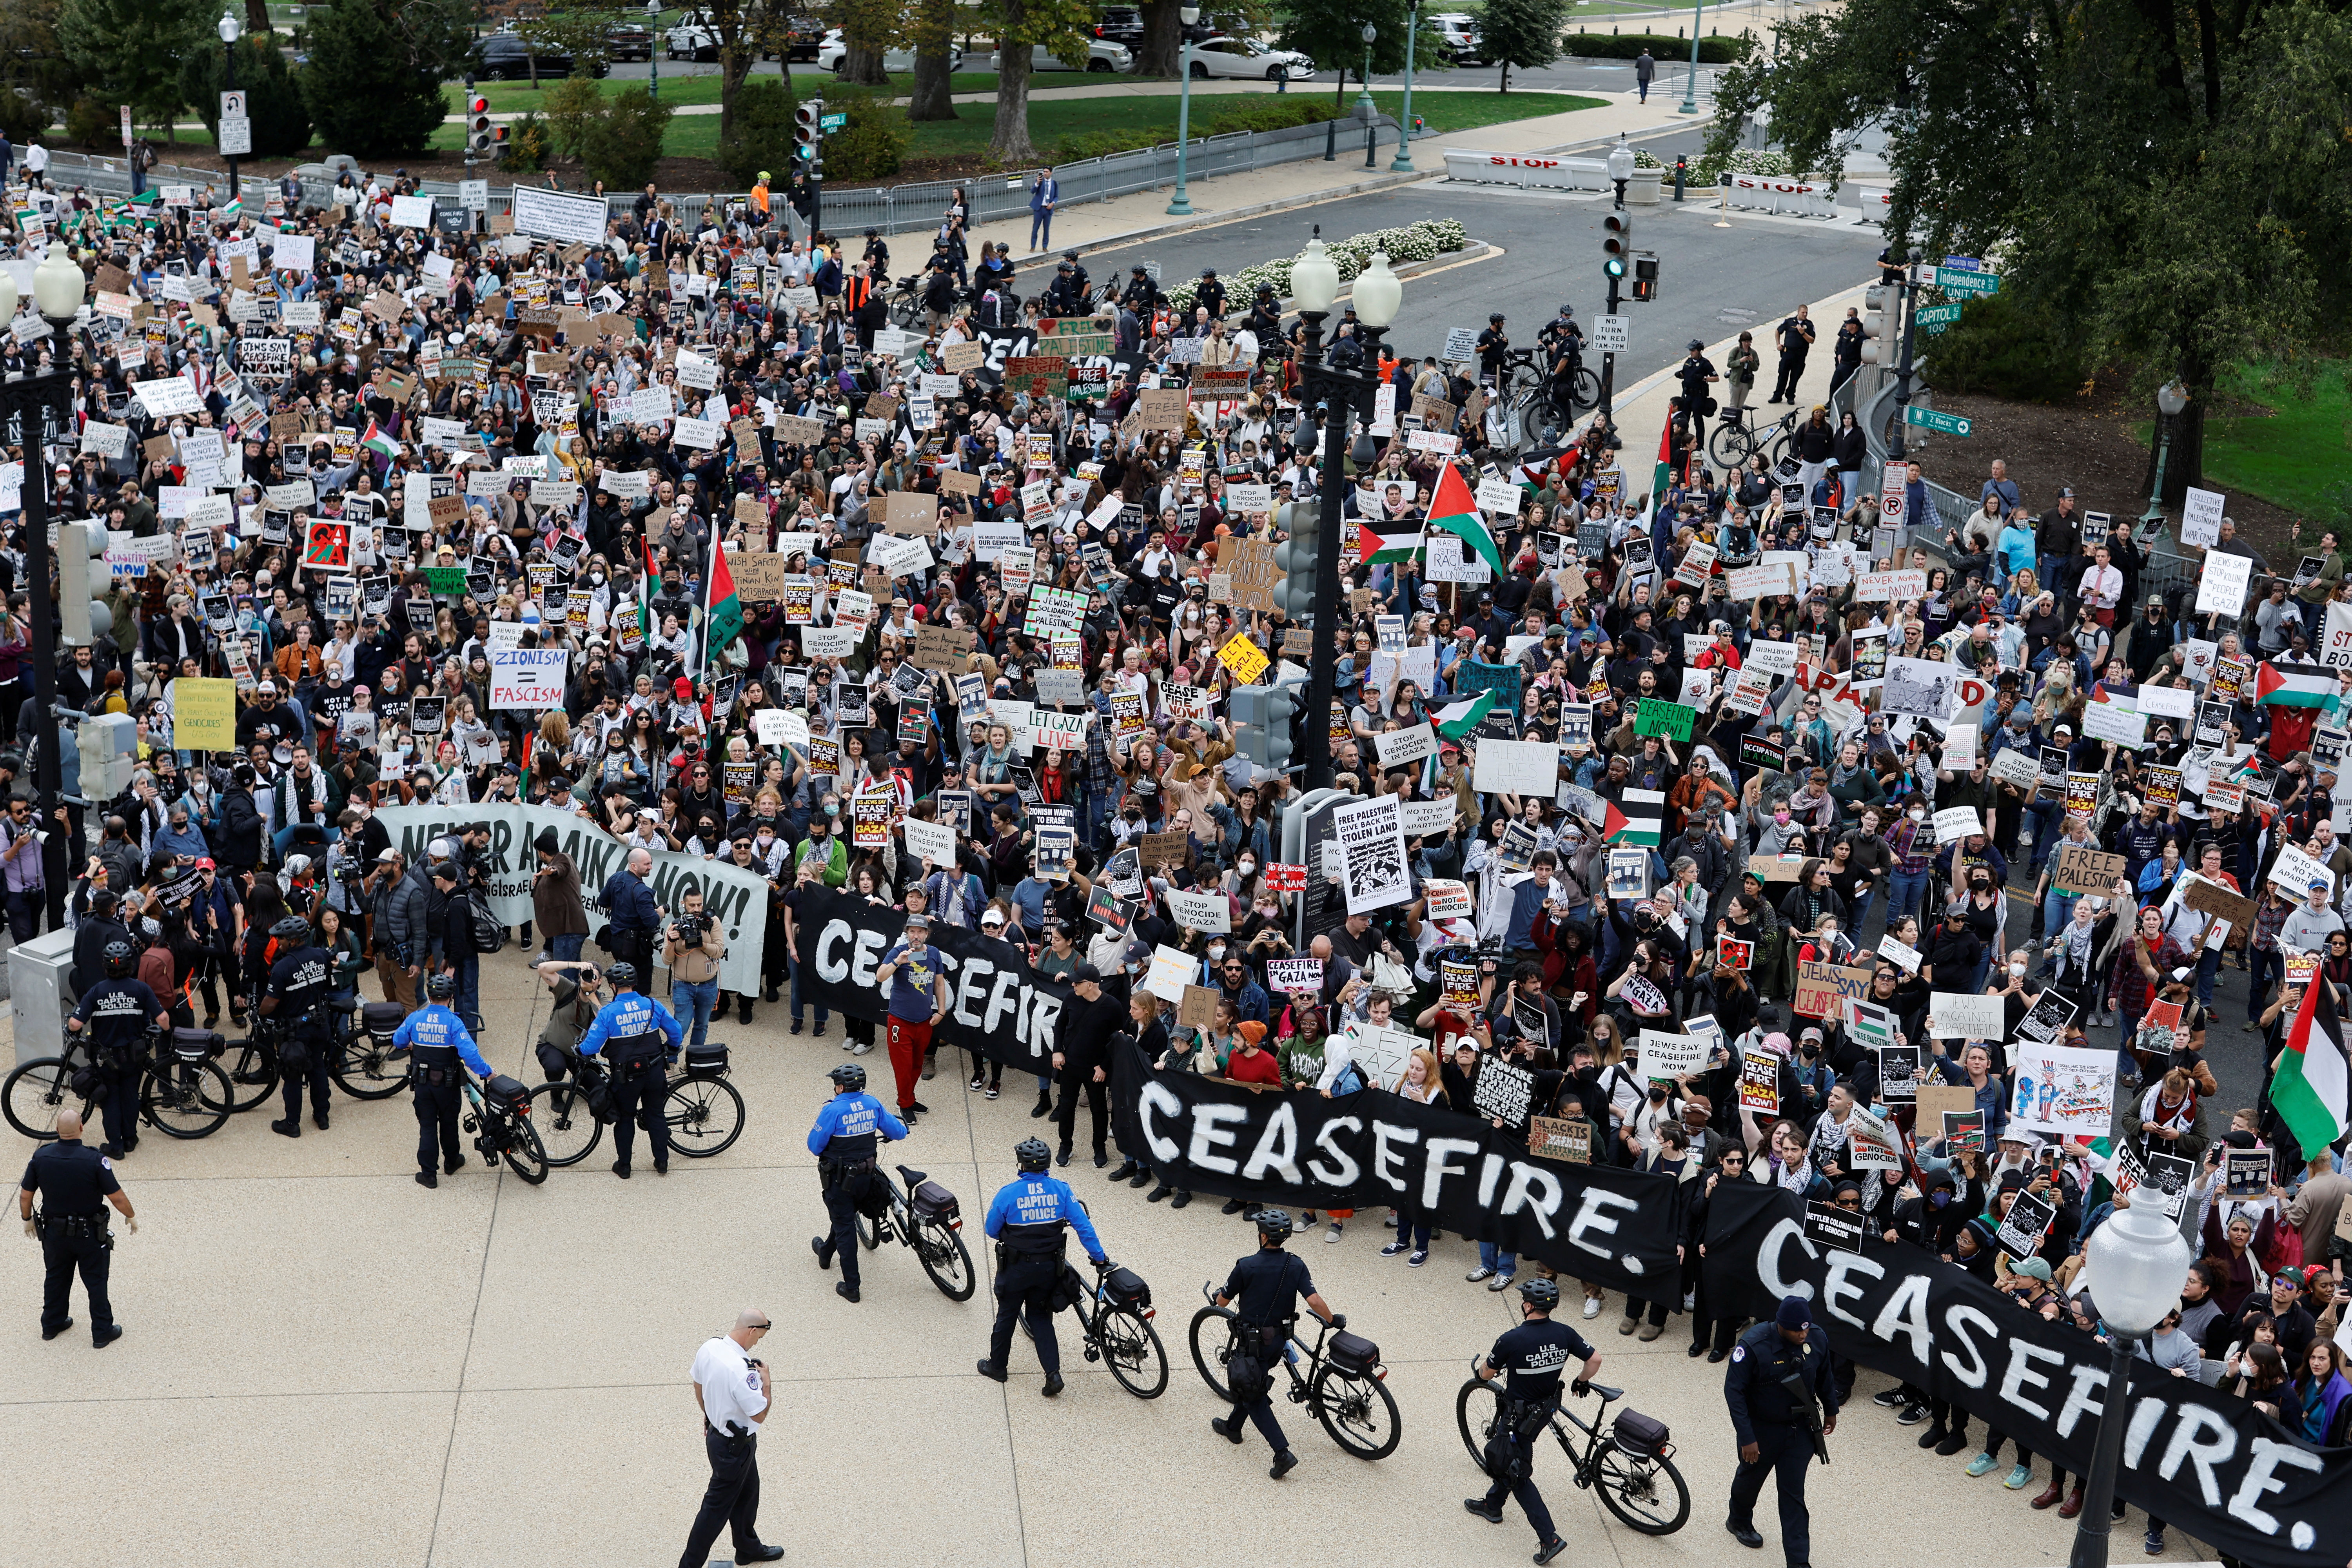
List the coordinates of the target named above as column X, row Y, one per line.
column 731, row 1386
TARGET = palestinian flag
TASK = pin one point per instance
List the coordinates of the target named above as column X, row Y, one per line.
column 1664, row 475
column 2308, row 1089
column 2293, row 685
column 234, row 210
column 722, row 612
column 1642, row 822
column 378, row 442
column 647, row 586
column 1455, row 511
column 1386, row 539
column 1457, row 720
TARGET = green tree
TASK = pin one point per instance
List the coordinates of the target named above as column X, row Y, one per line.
column 582, row 29
column 569, row 106
column 762, row 136
column 36, row 81
column 1522, row 32
column 1065, row 26
column 869, row 29
column 931, row 30
column 373, row 79
column 1331, row 34
column 129, row 51
column 621, row 145
column 281, row 123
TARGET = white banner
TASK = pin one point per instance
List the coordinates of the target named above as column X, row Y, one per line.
column 1371, row 835
column 557, row 216
column 2062, row 1090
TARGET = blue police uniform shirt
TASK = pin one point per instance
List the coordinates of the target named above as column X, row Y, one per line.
column 630, row 1014
column 1029, row 1210
column 1266, row 1286
column 1533, row 1357
column 1752, row 1388
column 912, row 994
column 71, row 1178
column 118, row 1011
column 434, row 1032
column 846, row 1125
column 300, row 981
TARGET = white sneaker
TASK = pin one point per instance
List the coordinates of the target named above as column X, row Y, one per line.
column 1333, row 1234
column 1592, row 1306
column 860, row 1048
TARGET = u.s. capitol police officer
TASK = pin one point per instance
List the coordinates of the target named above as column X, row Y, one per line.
column 1779, row 1376
column 76, row 1184
column 300, row 979
column 844, row 1144
column 437, row 1042
column 1025, row 1220
column 1529, row 1359
column 116, row 1014
column 637, row 1026
column 1267, row 1287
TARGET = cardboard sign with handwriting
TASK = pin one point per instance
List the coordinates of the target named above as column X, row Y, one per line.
column 2082, row 869
column 910, row 513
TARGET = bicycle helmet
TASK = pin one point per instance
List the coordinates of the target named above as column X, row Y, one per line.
column 120, row 959
column 849, row 1076
column 1274, row 1225
column 1539, row 1293
column 1496, row 316
column 623, row 976
column 1031, row 1155
column 293, row 928
column 1568, row 310
column 441, row 987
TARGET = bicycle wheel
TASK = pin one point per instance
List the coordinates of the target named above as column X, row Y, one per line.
column 704, row 1116
column 185, row 1099
column 945, row 1260
column 252, row 1070
column 1131, row 1351
column 525, row 1156
column 1584, row 390
column 1213, row 1346
column 1478, row 1415
column 35, row 1093
column 1359, row 1411
column 869, row 1226
column 365, row 1070
column 1648, row 1494
column 1728, row 444
column 568, row 1131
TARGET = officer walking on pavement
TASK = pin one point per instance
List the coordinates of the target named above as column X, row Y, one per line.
column 844, row 1144
column 1779, row 1381
column 1529, row 1359
column 1025, row 1220
column 636, row 1026
column 116, row 1014
column 76, row 1184
column 437, row 1041
column 295, row 998
column 1269, row 1286
column 731, row 1386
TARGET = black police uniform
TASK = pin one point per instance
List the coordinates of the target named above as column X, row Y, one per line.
column 301, row 981
column 1764, row 1411
column 1531, row 1359
column 1265, row 1288
column 1211, row 293
column 115, row 1017
column 73, row 1181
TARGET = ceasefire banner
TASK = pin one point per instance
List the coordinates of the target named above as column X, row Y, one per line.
column 2195, row 1457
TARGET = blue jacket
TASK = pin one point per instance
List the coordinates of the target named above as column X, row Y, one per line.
column 1045, row 190
column 435, row 1027
column 629, row 903
column 859, row 1115
column 1526, row 899
column 1041, row 1199
column 630, row 1014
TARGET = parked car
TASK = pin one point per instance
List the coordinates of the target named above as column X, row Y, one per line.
column 831, row 53
column 629, row 42
column 1461, row 34
column 693, row 38
column 1102, row 56
column 1124, row 25
column 1248, row 58
column 505, row 56
column 801, row 36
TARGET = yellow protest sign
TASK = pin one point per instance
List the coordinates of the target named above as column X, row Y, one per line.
column 1243, row 657
column 204, row 714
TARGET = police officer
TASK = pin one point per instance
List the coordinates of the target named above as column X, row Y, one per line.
column 1025, row 1220
column 76, row 1183
column 116, row 1012
column 843, row 1142
column 1563, row 344
column 636, row 1026
column 1778, row 1372
column 437, row 1041
column 1494, row 347
column 1066, row 294
column 1269, row 1286
column 295, row 998
column 1529, row 1359
column 1211, row 293
column 1140, row 293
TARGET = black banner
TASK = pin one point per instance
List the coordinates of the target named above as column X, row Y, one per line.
column 2193, row 1457
column 1370, row 1149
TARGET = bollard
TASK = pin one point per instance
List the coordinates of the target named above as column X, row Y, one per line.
column 1281, row 79
column 1682, row 168
column 1371, row 133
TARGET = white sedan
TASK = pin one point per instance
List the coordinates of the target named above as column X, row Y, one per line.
column 1102, row 56
column 831, row 53
column 1248, row 58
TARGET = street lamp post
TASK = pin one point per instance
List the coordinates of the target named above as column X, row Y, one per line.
column 230, row 27
column 1314, row 286
column 1689, row 104
column 2134, row 1262
column 2171, row 402
column 1182, row 205
column 1402, row 163
column 1365, row 107
column 1620, row 172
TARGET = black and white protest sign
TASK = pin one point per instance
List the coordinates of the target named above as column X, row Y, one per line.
column 1371, row 835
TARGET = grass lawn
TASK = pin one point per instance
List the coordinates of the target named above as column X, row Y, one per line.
column 2299, row 455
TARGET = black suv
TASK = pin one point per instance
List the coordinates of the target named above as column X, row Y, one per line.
column 1124, row 25
column 507, row 55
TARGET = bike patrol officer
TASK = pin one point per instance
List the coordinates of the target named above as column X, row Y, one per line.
column 77, row 1183
column 437, row 1041
column 295, row 995
column 1025, row 1220
column 117, row 1013
column 1777, row 1385
column 635, row 1024
column 1529, row 1359
column 1268, row 1285
column 843, row 1142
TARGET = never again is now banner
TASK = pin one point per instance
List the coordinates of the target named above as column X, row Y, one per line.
column 1370, row 1149
column 735, row 897
column 2203, row 1460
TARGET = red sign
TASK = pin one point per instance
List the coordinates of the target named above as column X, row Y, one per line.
column 1286, row 878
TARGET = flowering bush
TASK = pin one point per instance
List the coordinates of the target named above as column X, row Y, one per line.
column 1417, row 242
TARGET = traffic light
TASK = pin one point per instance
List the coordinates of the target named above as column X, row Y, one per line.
column 1645, row 278
column 1877, row 340
column 82, row 576
column 1294, row 559
column 807, row 120
column 498, row 135
column 1616, row 242
column 1261, row 718
column 477, row 125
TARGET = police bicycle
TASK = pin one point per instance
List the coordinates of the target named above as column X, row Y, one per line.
column 182, row 1093
column 1116, row 1319
column 364, row 1064
column 1734, row 440
column 1344, row 1384
column 704, row 1111
column 499, row 1118
column 926, row 1216
column 1631, row 1464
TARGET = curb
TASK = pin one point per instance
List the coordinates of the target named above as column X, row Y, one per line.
column 1232, row 214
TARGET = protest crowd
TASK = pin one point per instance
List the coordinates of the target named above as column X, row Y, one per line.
column 1729, row 828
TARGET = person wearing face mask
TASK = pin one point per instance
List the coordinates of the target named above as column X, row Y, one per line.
column 824, row 843
column 1911, row 843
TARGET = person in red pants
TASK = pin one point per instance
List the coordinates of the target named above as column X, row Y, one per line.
column 918, row 979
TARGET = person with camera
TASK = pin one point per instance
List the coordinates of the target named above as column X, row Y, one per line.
column 114, row 1014
column 844, row 1144
column 1783, row 1400
column 732, row 1390
column 1025, row 1220
column 437, row 1042
column 916, row 975
column 1528, row 1359
column 693, row 948
column 1265, row 1289
column 636, row 1027
column 293, row 998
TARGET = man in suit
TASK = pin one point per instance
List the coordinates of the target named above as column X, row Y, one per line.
column 1042, row 193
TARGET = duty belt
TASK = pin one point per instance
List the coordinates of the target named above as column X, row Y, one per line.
column 73, row 1223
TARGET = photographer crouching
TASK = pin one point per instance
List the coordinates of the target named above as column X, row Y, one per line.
column 693, row 947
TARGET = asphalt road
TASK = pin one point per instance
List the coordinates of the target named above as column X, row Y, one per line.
column 1567, row 75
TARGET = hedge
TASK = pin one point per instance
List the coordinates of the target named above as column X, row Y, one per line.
column 1416, row 242
column 1715, row 49
column 1271, row 112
